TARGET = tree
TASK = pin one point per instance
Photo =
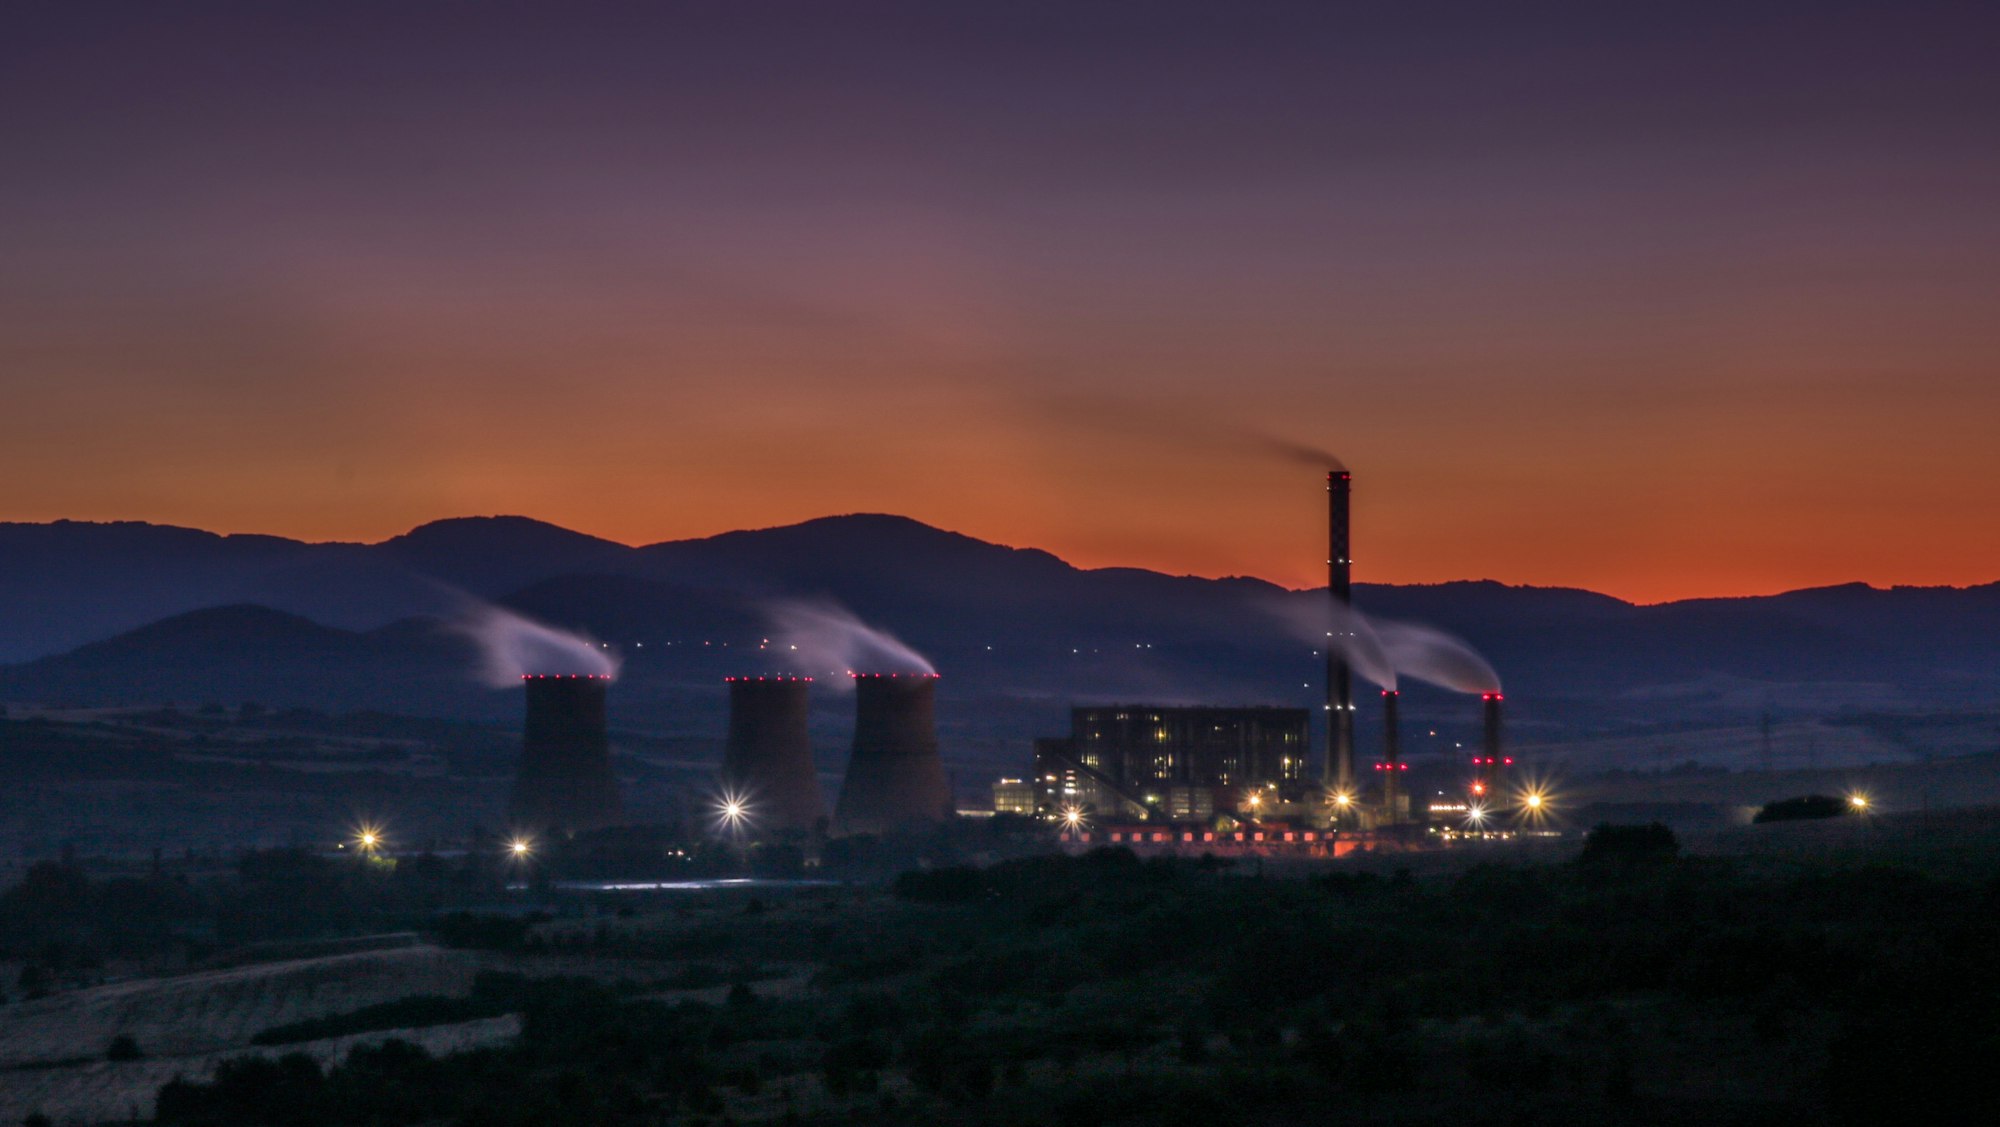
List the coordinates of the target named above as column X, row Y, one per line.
column 123, row 1047
column 1609, row 844
column 1804, row 808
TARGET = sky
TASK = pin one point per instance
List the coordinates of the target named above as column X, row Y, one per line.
column 1690, row 301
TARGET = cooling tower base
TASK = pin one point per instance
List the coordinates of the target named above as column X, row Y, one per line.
column 565, row 784
column 767, row 764
column 895, row 779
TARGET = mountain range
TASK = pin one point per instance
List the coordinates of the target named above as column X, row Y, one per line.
column 137, row 613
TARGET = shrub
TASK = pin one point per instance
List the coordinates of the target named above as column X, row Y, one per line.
column 1803, row 808
column 1629, row 844
column 123, row 1047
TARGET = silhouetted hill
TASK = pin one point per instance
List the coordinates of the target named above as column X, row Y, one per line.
column 240, row 653
column 631, row 610
column 67, row 583
column 1018, row 633
column 489, row 556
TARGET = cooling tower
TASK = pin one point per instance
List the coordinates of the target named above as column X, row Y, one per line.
column 1338, row 773
column 768, row 762
column 565, row 782
column 895, row 777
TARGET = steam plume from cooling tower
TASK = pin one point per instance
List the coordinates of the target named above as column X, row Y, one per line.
column 828, row 638
column 1382, row 650
column 512, row 647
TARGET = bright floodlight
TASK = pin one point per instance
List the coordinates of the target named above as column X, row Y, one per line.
column 732, row 811
column 369, row 840
column 1475, row 815
column 1072, row 817
column 1342, row 799
column 1534, row 801
column 520, row 847
column 1858, row 801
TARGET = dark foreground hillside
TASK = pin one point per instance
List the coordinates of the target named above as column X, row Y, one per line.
column 1631, row 986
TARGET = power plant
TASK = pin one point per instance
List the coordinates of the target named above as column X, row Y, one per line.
column 1215, row 777
column 564, row 784
column 894, row 777
column 1199, row 770
column 767, row 764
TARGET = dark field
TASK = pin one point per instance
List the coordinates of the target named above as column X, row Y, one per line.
column 1840, row 971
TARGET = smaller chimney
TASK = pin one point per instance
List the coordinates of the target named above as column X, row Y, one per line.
column 1392, row 757
column 1493, row 761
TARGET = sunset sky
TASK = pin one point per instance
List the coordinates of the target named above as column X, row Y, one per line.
column 1693, row 302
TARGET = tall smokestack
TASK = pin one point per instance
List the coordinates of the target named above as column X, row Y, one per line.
column 895, row 777
column 1392, row 756
column 565, row 782
column 768, row 762
column 1338, row 772
column 1493, row 760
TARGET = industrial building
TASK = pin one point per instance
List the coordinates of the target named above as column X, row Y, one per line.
column 1182, row 764
column 1014, row 796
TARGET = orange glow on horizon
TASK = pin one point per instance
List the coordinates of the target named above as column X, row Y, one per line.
column 1626, row 312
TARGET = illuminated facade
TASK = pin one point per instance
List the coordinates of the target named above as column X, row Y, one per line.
column 1146, row 748
column 1014, row 796
column 1060, row 784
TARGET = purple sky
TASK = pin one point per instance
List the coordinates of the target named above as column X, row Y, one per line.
column 1688, row 301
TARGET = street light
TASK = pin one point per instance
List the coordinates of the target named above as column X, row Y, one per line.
column 368, row 838
column 732, row 812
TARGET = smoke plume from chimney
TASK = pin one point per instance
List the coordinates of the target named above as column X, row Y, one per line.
column 1432, row 655
column 1383, row 650
column 1322, row 624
